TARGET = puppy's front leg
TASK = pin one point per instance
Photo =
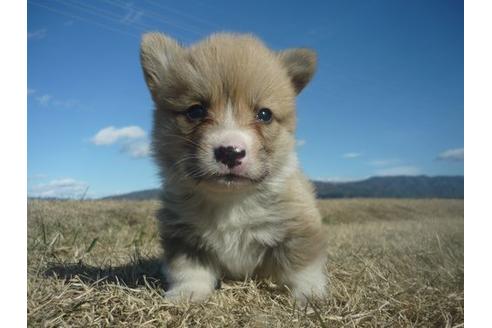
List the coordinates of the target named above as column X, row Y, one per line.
column 303, row 259
column 309, row 282
column 189, row 279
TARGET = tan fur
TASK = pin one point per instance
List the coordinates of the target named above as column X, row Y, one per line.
column 268, row 226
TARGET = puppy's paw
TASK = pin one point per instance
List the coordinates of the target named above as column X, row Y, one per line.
column 189, row 292
column 309, row 283
column 189, row 280
column 309, row 293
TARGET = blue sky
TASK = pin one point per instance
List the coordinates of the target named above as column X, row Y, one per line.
column 387, row 98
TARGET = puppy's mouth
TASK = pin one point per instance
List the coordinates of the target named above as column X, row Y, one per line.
column 231, row 178
column 225, row 180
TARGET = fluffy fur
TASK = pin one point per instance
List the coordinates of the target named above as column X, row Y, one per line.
column 258, row 219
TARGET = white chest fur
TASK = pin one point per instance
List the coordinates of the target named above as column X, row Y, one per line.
column 240, row 235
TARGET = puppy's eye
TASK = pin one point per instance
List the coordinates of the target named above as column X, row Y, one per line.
column 196, row 112
column 264, row 115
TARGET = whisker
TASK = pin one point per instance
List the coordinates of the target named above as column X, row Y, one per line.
column 186, row 158
column 183, row 138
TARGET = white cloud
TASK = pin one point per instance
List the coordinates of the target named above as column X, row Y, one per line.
column 137, row 149
column 111, row 135
column 338, row 179
column 452, row 155
column 351, row 155
column 384, row 162
column 38, row 176
column 60, row 188
column 132, row 16
column 133, row 140
column 398, row 170
column 37, row 35
column 301, row 142
column 48, row 100
column 68, row 103
column 44, row 99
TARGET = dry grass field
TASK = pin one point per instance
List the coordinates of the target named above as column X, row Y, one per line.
column 392, row 263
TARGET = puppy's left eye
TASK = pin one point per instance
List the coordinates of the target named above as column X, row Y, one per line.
column 264, row 115
column 196, row 112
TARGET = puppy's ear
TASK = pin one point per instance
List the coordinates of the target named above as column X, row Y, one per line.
column 300, row 64
column 158, row 53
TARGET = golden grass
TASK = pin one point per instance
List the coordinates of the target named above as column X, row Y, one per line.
column 391, row 263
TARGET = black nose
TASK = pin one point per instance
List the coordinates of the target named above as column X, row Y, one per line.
column 229, row 156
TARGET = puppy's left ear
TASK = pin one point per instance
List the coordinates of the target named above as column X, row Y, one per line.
column 300, row 64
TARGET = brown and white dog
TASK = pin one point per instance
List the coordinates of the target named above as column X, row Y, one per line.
column 235, row 203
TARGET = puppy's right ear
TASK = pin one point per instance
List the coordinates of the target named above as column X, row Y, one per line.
column 158, row 53
column 300, row 64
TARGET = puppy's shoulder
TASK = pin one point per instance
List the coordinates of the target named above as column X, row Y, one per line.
column 300, row 192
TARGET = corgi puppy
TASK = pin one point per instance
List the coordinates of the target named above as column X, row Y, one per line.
column 235, row 203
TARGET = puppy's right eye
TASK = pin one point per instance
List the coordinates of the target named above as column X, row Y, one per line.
column 196, row 112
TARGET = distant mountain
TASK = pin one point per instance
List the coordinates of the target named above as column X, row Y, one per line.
column 138, row 195
column 375, row 187
column 395, row 187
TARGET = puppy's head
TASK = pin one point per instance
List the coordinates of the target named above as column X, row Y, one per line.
column 225, row 108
